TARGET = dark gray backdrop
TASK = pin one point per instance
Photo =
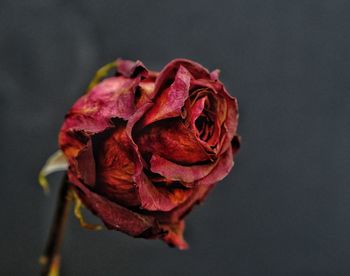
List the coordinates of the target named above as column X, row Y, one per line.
column 284, row 209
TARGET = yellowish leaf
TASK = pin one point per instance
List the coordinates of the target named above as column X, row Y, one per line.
column 56, row 162
column 100, row 74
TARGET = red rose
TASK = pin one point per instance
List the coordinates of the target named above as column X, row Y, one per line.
column 144, row 147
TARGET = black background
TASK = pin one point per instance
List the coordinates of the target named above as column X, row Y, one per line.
column 283, row 210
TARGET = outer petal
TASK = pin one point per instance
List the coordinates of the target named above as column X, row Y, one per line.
column 92, row 113
column 222, row 168
column 174, row 236
column 113, row 97
column 231, row 122
column 116, row 166
column 115, row 216
column 178, row 213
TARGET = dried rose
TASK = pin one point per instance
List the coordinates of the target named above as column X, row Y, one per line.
column 144, row 147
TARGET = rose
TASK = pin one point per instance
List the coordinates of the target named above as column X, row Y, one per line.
column 144, row 147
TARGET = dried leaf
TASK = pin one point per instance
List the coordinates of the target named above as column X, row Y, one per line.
column 101, row 73
column 56, row 162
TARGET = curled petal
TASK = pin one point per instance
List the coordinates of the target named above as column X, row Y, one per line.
column 215, row 86
column 196, row 110
column 176, row 172
column 170, row 101
column 222, row 168
column 152, row 198
column 143, row 92
column 195, row 69
column 131, row 69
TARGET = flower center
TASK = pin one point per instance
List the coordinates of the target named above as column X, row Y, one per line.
column 204, row 126
column 203, row 109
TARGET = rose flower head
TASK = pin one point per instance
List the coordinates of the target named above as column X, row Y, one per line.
column 144, row 147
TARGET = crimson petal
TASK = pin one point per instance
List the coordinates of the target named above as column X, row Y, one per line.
column 160, row 198
column 169, row 103
column 173, row 140
column 115, row 216
column 130, row 68
column 169, row 72
column 222, row 168
column 175, row 172
column 174, row 236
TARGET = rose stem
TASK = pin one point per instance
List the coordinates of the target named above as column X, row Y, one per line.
column 50, row 260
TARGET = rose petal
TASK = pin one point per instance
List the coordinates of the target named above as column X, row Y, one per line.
column 160, row 198
column 172, row 139
column 231, row 122
column 86, row 164
column 214, row 75
column 113, row 97
column 92, row 113
column 226, row 112
column 116, row 166
column 151, row 197
column 170, row 101
column 220, row 117
column 178, row 213
column 71, row 143
column 144, row 92
column 115, row 216
column 214, row 86
column 176, row 172
column 170, row 70
column 138, row 161
column 131, row 69
column 196, row 110
column 174, row 236
column 222, row 168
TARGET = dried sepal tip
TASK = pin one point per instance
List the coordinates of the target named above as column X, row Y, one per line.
column 78, row 205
